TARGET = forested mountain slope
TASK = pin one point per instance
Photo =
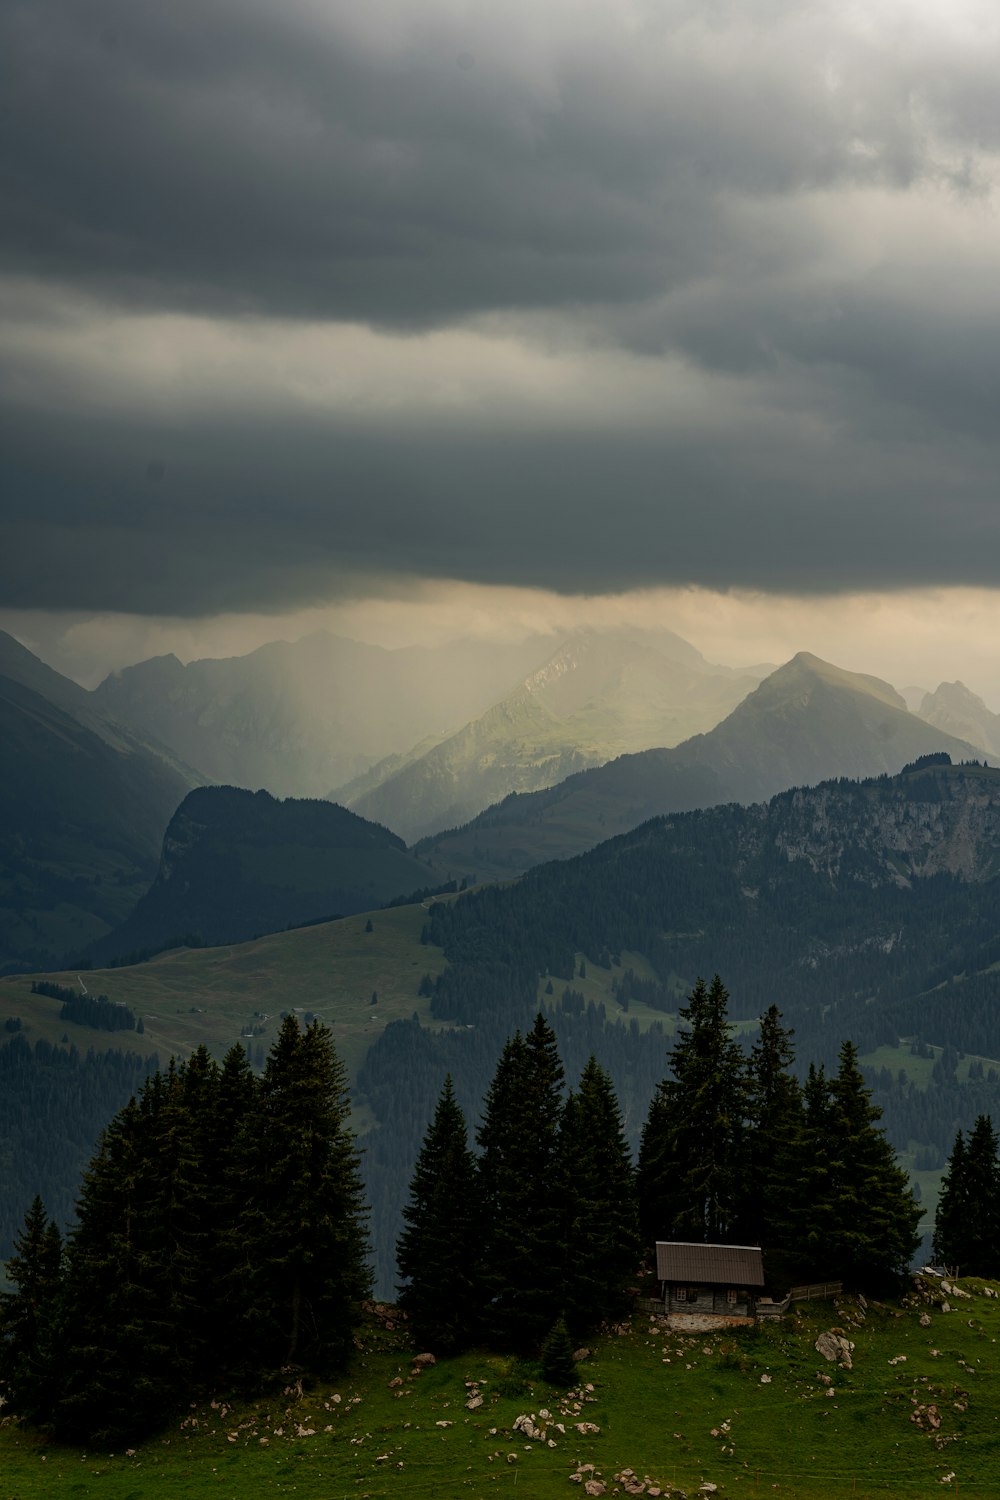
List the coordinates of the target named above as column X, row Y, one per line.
column 236, row 864
column 864, row 909
column 806, row 722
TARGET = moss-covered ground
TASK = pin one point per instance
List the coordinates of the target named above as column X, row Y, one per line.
column 752, row 1411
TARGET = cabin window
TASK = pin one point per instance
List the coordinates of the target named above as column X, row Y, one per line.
column 682, row 1295
column 731, row 1295
column 692, row 1294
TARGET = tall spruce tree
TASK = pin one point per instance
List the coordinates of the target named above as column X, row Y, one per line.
column 869, row 1214
column 848, row 1212
column 596, row 1187
column 438, row 1252
column 775, row 1124
column 692, row 1158
column 222, row 1116
column 967, row 1224
column 30, row 1318
column 116, row 1378
column 518, row 1139
column 302, row 1231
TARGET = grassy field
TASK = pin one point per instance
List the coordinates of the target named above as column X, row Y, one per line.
column 194, row 995
column 752, row 1411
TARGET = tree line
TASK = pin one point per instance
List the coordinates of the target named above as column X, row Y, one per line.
column 967, row 1223
column 549, row 1218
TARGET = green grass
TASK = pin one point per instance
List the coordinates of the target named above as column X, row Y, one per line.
column 743, row 1409
column 194, row 995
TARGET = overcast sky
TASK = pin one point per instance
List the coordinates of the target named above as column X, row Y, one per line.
column 312, row 307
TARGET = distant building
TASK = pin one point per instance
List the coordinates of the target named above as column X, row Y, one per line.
column 709, row 1280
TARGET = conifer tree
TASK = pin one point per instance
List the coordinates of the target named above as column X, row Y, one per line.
column 518, row 1138
column 302, row 1232
column 596, row 1182
column 692, row 1156
column 876, row 1211
column 775, row 1124
column 967, row 1224
column 223, row 1122
column 556, row 1361
column 438, row 1251
column 801, row 1222
column 30, row 1318
column 115, row 1378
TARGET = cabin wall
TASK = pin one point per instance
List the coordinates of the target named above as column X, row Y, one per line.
column 701, row 1301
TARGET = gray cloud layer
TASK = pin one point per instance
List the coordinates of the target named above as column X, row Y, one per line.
column 747, row 252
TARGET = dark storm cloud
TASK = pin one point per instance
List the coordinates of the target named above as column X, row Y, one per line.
column 763, row 195
column 341, row 161
column 300, row 513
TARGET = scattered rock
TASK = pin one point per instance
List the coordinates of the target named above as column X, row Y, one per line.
column 925, row 1320
column 473, row 1403
column 421, row 1361
column 927, row 1418
column 595, row 1487
column 835, row 1348
column 398, row 1380
column 579, row 1354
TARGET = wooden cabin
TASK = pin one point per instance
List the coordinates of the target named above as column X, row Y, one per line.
column 709, row 1280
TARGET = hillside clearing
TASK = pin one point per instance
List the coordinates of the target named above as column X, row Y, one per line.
column 751, row 1411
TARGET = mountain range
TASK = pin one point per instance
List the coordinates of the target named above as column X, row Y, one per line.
column 87, row 800
column 300, row 718
column 599, row 695
column 806, row 722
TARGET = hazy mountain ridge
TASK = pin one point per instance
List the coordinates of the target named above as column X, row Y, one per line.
column 235, row 864
column 599, row 695
column 957, row 710
column 301, row 717
column 83, row 805
column 806, row 722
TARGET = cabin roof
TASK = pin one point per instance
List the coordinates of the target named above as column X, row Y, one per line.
column 709, row 1265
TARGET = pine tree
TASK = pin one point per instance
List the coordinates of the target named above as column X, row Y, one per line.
column 302, row 1232
column 692, row 1168
column 30, row 1318
column 596, row 1183
column 518, row 1138
column 967, row 1224
column 438, row 1251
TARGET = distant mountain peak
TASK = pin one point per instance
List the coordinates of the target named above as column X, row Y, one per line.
column 957, row 710
column 805, row 666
